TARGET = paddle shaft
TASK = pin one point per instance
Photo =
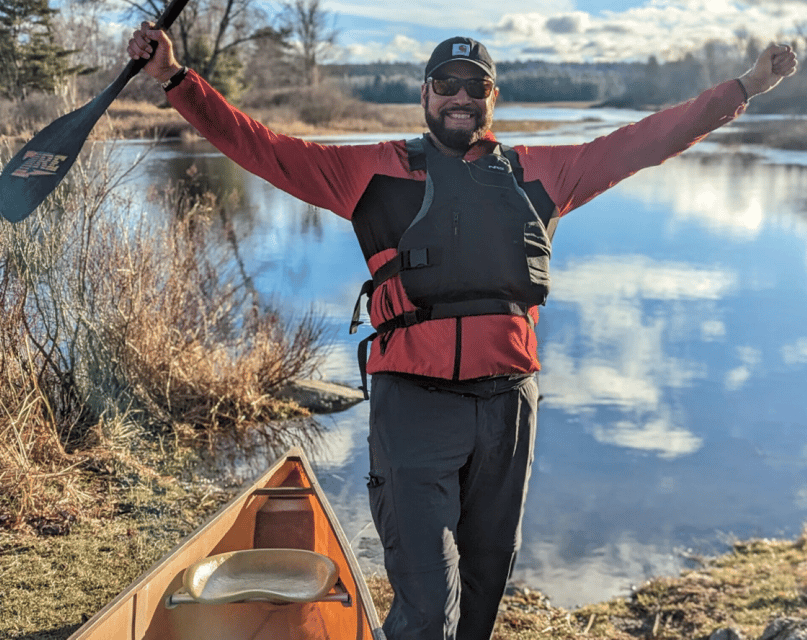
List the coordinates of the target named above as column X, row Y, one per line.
column 38, row 168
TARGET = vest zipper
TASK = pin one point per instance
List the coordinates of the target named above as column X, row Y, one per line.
column 458, row 350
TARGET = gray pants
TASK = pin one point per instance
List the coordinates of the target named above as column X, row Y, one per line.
column 447, row 487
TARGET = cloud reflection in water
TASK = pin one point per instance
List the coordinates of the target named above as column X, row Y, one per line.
column 625, row 368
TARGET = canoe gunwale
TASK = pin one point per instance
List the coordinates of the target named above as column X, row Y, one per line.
column 131, row 602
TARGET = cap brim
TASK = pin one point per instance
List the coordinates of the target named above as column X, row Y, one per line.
column 464, row 59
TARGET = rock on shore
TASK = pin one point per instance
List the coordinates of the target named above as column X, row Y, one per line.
column 319, row 396
column 779, row 629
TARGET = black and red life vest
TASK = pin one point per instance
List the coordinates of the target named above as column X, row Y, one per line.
column 477, row 245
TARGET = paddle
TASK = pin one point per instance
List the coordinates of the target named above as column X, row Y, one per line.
column 41, row 165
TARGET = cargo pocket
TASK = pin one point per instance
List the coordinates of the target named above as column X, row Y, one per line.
column 382, row 510
column 538, row 250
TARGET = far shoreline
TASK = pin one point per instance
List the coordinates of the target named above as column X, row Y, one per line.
column 138, row 120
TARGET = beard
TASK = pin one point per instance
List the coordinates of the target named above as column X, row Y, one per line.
column 458, row 139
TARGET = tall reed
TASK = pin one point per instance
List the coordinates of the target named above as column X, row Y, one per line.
column 123, row 316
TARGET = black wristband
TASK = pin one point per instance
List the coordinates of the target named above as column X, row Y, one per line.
column 742, row 86
column 175, row 79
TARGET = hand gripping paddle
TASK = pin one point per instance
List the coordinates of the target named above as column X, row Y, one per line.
column 41, row 165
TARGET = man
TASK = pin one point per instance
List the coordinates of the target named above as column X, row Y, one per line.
column 456, row 231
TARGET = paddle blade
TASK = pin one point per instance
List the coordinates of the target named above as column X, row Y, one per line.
column 40, row 166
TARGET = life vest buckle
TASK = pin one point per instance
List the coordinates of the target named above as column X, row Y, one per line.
column 418, row 258
column 410, row 318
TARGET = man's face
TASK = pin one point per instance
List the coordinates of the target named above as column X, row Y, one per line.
column 458, row 121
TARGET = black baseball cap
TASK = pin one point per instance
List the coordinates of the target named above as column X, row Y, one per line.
column 460, row 48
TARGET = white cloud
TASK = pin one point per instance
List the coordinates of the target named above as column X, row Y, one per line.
column 795, row 353
column 737, row 377
column 576, row 22
column 713, row 330
column 800, row 501
column 658, row 434
column 640, row 277
column 712, row 199
column 469, row 15
column 665, row 28
column 401, row 47
column 610, row 568
column 557, row 32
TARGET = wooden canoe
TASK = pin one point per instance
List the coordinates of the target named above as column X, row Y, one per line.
column 283, row 511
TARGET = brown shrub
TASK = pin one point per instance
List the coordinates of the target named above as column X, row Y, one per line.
column 121, row 318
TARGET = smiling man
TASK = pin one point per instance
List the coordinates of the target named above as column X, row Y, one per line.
column 459, row 94
column 456, row 230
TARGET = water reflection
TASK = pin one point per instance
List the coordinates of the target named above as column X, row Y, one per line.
column 613, row 364
column 674, row 373
column 675, row 353
column 728, row 195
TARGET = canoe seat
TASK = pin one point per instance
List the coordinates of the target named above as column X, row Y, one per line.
column 280, row 576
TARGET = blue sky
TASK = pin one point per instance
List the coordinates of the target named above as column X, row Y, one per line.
column 558, row 30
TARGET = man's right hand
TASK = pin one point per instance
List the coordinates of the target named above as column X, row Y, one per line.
column 161, row 61
column 775, row 63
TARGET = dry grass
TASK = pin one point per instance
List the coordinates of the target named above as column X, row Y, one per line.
column 120, row 327
column 50, row 585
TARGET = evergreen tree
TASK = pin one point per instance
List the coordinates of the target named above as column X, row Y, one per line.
column 225, row 75
column 29, row 58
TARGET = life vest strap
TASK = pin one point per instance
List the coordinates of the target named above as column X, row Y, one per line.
column 406, row 319
column 363, row 345
column 438, row 311
column 411, row 259
column 366, row 289
column 416, row 152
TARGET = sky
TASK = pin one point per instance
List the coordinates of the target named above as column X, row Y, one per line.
column 557, row 30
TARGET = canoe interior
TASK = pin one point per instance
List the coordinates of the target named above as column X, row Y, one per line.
column 302, row 520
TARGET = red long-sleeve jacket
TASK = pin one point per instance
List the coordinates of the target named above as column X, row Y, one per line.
column 374, row 182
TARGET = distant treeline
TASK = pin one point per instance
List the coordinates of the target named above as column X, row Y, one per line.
column 627, row 85
column 525, row 81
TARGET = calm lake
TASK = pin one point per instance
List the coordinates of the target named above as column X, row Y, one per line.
column 674, row 347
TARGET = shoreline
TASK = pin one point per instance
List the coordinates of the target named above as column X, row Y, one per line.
column 127, row 120
column 757, row 582
column 151, row 507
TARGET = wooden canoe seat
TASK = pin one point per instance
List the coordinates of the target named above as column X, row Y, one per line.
column 280, row 576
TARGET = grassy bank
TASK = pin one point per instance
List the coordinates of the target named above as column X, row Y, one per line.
column 128, row 119
column 143, row 120
column 791, row 136
column 50, row 584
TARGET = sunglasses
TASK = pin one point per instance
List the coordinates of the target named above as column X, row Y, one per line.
column 476, row 88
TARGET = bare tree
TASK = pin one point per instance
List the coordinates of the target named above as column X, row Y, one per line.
column 210, row 34
column 313, row 34
column 81, row 21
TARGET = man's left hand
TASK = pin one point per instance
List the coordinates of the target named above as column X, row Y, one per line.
column 775, row 63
